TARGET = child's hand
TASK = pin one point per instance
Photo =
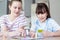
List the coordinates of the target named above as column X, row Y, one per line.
column 47, row 33
column 22, row 33
column 32, row 34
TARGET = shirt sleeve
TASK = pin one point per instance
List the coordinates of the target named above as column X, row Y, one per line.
column 2, row 24
column 55, row 26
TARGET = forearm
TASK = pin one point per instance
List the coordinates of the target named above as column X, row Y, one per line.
column 51, row 34
column 56, row 33
column 4, row 35
column 11, row 34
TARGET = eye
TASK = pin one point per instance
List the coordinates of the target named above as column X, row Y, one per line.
column 19, row 8
column 15, row 7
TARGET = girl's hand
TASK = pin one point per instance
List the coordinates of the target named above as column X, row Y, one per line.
column 22, row 33
column 47, row 33
column 32, row 34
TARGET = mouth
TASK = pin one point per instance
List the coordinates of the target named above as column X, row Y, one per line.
column 16, row 13
column 41, row 18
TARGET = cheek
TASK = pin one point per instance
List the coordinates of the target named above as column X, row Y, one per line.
column 19, row 10
column 38, row 16
column 45, row 16
column 12, row 9
column 42, row 16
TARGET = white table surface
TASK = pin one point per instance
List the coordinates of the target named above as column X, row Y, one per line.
column 49, row 38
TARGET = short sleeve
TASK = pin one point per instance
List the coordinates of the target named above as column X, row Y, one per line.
column 2, row 22
column 55, row 25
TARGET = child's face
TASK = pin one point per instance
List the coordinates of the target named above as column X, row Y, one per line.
column 15, row 8
column 42, row 17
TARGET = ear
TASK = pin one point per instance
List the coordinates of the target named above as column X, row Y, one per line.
column 47, row 14
column 9, row 7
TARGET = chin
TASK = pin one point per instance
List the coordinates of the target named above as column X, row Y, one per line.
column 42, row 20
column 16, row 15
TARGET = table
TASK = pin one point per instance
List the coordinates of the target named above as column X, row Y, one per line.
column 48, row 38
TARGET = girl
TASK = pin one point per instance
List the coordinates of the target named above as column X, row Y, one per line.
column 44, row 22
column 13, row 24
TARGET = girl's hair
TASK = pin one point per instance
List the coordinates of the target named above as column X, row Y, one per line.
column 42, row 8
column 10, row 2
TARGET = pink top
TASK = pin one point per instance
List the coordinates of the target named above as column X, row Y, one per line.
column 12, row 26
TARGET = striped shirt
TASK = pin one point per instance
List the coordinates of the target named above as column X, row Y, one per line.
column 20, row 21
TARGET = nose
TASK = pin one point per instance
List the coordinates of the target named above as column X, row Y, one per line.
column 17, row 10
column 40, row 15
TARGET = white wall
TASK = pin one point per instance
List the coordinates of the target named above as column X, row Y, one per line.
column 33, row 15
column 54, row 6
column 55, row 10
column 27, row 7
column 44, row 1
